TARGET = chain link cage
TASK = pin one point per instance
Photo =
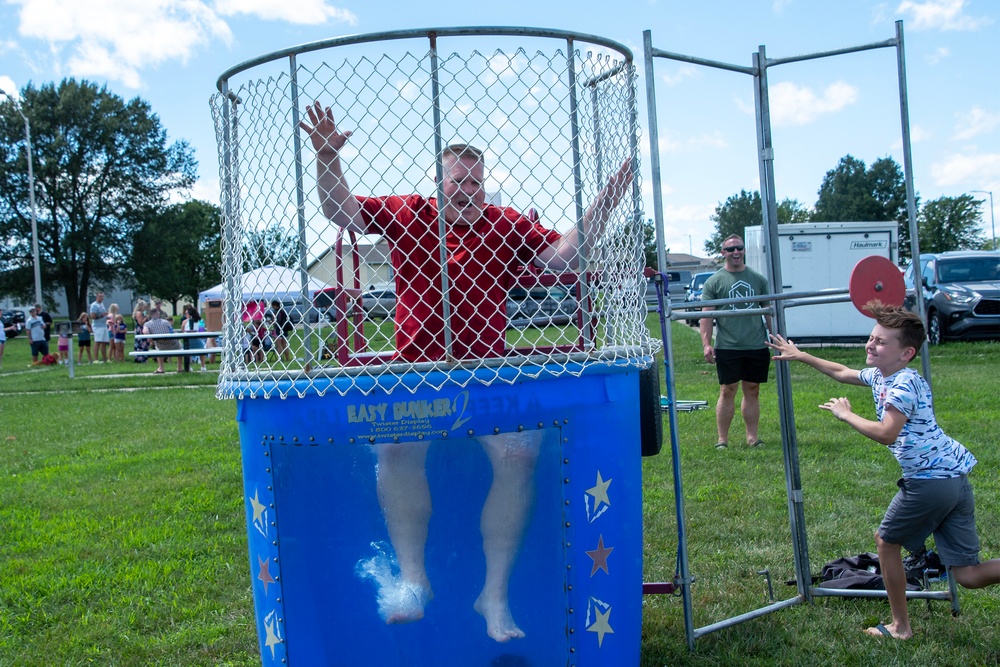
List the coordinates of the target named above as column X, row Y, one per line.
column 305, row 301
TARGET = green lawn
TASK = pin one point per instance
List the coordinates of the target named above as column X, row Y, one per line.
column 123, row 534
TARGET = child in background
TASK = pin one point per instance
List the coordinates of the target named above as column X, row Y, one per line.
column 83, row 338
column 64, row 346
column 120, row 331
column 112, row 314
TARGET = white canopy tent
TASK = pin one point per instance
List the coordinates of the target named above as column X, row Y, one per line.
column 268, row 282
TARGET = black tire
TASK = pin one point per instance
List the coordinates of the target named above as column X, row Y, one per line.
column 650, row 414
column 935, row 329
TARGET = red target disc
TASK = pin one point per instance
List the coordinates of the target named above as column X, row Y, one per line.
column 876, row 277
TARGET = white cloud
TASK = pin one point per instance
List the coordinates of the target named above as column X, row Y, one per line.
column 206, row 189
column 940, row 15
column 8, row 86
column 118, row 39
column 799, row 105
column 778, row 6
column 671, row 144
column 940, row 53
column 977, row 121
column 679, row 73
column 966, row 168
column 306, row 12
column 917, row 134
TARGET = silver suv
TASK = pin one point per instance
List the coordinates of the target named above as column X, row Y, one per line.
column 961, row 292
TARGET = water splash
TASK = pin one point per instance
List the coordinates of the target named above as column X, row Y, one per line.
column 399, row 601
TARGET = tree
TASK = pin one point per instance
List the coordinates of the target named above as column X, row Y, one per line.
column 272, row 245
column 745, row 210
column 177, row 253
column 950, row 223
column 853, row 193
column 649, row 244
column 102, row 166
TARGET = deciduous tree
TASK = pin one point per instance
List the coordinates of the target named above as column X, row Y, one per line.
column 850, row 192
column 102, row 166
column 177, row 253
column 745, row 210
column 950, row 223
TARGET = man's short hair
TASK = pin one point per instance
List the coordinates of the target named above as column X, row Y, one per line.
column 459, row 151
column 730, row 237
column 909, row 325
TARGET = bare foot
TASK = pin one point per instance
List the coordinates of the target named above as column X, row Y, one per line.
column 404, row 604
column 888, row 631
column 399, row 600
column 500, row 624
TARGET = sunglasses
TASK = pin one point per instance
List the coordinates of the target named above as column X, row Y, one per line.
column 733, row 248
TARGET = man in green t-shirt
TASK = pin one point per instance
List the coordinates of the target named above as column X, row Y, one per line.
column 740, row 353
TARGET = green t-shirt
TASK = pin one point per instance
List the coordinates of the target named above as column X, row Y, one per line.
column 738, row 333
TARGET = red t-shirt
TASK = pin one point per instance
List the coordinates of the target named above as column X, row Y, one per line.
column 481, row 263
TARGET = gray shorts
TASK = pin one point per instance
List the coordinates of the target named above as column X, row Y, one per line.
column 944, row 507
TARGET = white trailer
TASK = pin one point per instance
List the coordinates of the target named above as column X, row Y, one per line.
column 821, row 255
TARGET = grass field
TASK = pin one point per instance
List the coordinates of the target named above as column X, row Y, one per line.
column 123, row 535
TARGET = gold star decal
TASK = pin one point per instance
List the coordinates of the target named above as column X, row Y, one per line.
column 601, row 625
column 273, row 638
column 264, row 574
column 258, row 509
column 599, row 556
column 600, row 491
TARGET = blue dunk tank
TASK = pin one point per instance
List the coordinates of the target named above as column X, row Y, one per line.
column 455, row 510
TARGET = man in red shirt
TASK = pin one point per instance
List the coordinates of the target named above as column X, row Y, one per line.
column 484, row 245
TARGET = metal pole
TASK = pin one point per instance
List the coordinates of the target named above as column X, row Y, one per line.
column 683, row 561
column 583, row 235
column 911, row 201
column 993, row 228
column 439, row 176
column 305, row 297
column 31, row 198
column 786, row 410
column 654, row 152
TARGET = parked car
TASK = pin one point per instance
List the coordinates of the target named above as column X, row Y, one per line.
column 694, row 290
column 13, row 318
column 961, row 292
column 379, row 303
column 677, row 282
column 540, row 306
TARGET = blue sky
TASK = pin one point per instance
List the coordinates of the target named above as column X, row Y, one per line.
column 170, row 52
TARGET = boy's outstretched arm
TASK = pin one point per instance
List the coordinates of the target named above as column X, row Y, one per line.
column 788, row 352
column 883, row 432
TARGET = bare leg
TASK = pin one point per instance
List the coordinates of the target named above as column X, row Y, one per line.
column 978, row 576
column 725, row 409
column 505, row 514
column 890, row 558
column 405, row 498
column 750, row 408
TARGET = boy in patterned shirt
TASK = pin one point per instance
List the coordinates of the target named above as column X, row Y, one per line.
column 934, row 493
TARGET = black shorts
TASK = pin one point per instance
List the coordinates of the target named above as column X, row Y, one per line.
column 733, row 366
column 39, row 347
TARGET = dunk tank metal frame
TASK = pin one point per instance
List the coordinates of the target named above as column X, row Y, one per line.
column 558, row 123
column 758, row 70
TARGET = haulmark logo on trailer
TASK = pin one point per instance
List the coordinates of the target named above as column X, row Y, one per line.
column 870, row 245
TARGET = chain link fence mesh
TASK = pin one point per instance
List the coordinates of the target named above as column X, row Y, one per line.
column 305, row 300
